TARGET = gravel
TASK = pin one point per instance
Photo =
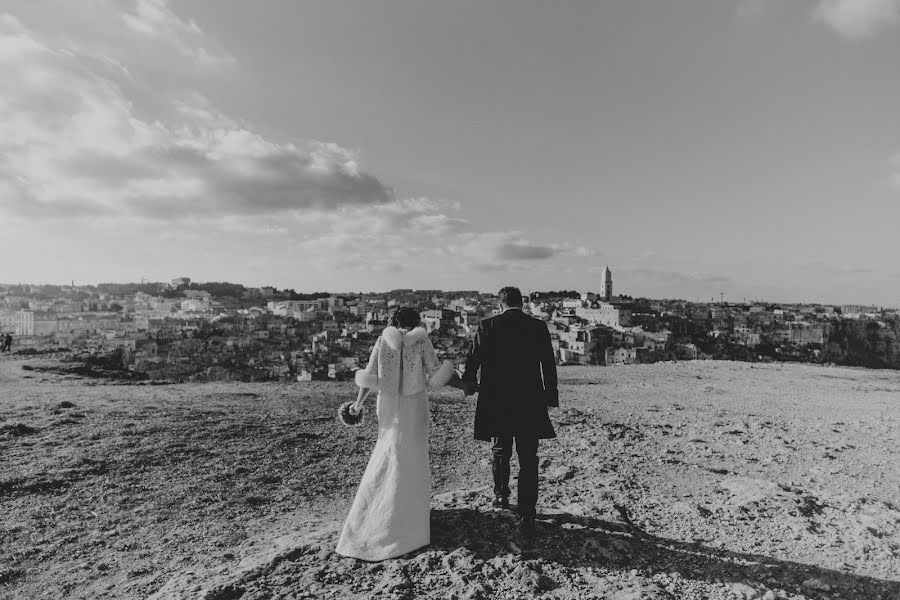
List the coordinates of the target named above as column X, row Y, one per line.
column 676, row 480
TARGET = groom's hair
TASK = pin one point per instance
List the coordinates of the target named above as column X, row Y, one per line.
column 510, row 296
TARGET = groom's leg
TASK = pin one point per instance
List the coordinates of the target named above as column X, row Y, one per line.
column 526, row 448
column 502, row 451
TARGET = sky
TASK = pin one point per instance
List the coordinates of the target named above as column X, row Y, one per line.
column 745, row 149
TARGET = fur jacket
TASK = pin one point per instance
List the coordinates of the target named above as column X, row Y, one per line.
column 404, row 363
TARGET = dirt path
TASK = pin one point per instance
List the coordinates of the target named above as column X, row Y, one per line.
column 706, row 480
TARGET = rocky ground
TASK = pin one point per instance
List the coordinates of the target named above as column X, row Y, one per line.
column 675, row 480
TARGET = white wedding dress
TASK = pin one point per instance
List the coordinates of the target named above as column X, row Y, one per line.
column 390, row 513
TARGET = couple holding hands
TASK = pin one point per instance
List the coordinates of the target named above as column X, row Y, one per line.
column 391, row 511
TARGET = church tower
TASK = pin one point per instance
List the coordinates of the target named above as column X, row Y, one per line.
column 606, row 285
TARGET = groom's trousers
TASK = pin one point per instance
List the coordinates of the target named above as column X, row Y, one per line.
column 526, row 449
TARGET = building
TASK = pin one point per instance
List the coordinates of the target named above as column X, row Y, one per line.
column 606, row 285
column 91, row 325
column 198, row 295
column 164, row 305
column 566, row 318
column 583, row 344
column 621, row 356
column 288, row 307
column 467, row 321
column 438, row 319
column 659, row 341
column 29, row 322
column 195, row 305
column 7, row 321
column 317, row 304
column 806, row 333
column 855, row 311
column 686, row 351
column 611, row 315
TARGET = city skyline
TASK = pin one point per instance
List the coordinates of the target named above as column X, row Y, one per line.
column 747, row 147
column 599, row 292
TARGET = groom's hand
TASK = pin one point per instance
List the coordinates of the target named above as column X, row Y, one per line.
column 469, row 387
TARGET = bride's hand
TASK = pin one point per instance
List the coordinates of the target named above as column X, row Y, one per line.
column 357, row 406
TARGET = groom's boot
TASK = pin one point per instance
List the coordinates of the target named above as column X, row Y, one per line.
column 500, row 502
column 502, row 451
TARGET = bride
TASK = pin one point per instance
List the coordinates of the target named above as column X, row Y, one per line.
column 390, row 514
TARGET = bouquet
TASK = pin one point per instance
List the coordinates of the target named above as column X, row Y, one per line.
column 346, row 416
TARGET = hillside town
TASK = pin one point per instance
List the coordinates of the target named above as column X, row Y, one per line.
column 184, row 330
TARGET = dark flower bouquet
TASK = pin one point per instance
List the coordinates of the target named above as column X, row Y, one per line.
column 346, row 416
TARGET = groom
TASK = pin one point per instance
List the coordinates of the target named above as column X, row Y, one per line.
column 518, row 383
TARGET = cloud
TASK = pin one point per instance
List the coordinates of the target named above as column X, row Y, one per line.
column 104, row 130
column 579, row 251
column 405, row 217
column 400, row 234
column 145, row 35
column 439, row 224
column 155, row 20
column 72, row 143
column 423, row 236
column 502, row 250
column 858, row 18
column 520, row 251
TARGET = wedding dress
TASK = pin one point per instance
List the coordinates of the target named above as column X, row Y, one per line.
column 390, row 513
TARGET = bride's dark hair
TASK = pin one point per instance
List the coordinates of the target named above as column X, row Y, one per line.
column 405, row 317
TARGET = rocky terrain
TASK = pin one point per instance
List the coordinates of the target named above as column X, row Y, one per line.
column 676, row 480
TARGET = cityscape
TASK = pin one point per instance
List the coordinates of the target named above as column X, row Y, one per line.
column 449, row 300
column 189, row 331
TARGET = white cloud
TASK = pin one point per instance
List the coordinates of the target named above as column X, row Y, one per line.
column 580, row 251
column 858, row 18
column 105, row 124
column 154, row 19
column 422, row 237
column 74, row 144
column 142, row 34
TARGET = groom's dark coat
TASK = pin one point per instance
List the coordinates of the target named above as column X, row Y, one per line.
column 518, row 376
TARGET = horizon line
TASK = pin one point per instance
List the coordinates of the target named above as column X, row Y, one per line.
column 882, row 307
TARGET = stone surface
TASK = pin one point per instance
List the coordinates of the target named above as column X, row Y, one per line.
column 714, row 481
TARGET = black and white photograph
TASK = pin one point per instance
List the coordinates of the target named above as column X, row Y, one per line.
column 449, row 300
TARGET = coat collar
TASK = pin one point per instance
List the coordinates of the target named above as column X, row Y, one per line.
column 393, row 337
column 512, row 313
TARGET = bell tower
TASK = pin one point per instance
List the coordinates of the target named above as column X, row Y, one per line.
column 606, row 285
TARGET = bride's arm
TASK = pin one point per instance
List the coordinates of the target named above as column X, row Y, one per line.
column 367, row 379
column 437, row 373
column 360, row 400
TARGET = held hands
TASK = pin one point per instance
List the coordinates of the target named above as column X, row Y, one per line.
column 468, row 387
column 356, row 407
